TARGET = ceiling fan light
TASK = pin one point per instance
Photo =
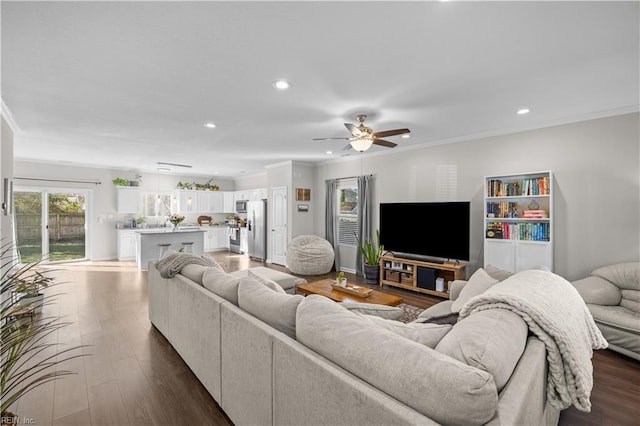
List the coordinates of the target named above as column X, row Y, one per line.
column 281, row 84
column 362, row 145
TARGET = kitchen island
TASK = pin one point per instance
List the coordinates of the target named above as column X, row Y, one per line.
column 147, row 241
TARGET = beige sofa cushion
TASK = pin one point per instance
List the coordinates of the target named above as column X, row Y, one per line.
column 222, row 284
column 425, row 334
column 479, row 282
column 382, row 311
column 444, row 389
column 597, row 290
column 616, row 316
column 623, row 275
column 497, row 273
column 491, row 340
column 267, row 282
column 276, row 309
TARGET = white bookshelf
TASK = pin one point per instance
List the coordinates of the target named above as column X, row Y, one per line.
column 518, row 221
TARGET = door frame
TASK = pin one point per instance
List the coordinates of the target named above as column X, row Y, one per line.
column 284, row 190
column 44, row 192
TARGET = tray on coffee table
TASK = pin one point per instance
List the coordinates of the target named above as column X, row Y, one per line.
column 353, row 290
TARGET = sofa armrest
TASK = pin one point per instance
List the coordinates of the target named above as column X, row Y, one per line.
column 455, row 288
column 598, row 291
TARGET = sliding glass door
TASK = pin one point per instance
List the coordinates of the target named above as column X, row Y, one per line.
column 50, row 224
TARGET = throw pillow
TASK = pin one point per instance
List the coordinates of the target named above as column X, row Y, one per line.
column 497, row 273
column 382, row 311
column 492, row 340
column 222, row 284
column 267, row 282
column 479, row 282
column 276, row 309
column 450, row 318
column 425, row 334
column 194, row 272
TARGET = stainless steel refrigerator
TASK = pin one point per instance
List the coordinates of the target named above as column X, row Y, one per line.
column 257, row 229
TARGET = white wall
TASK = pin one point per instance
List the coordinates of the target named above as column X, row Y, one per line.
column 103, row 216
column 301, row 222
column 597, row 185
column 6, row 172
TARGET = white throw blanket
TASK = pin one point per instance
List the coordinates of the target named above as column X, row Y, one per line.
column 557, row 315
column 170, row 265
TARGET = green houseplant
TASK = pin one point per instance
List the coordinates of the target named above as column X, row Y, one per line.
column 28, row 357
column 28, row 289
column 120, row 182
column 371, row 252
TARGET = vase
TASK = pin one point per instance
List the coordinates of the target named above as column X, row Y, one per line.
column 372, row 274
column 175, row 227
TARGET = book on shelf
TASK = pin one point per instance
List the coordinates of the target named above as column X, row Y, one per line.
column 535, row 214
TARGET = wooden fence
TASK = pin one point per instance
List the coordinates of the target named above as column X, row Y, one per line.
column 62, row 227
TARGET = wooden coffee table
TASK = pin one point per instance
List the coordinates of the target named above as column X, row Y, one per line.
column 323, row 287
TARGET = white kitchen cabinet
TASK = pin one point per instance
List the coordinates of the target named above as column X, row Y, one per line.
column 128, row 199
column 209, row 236
column 187, row 201
column 216, row 202
column 216, row 238
column 223, row 239
column 241, row 195
column 204, row 204
column 228, row 202
column 257, row 194
column 126, row 243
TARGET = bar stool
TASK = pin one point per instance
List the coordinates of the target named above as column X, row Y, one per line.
column 163, row 248
column 187, row 247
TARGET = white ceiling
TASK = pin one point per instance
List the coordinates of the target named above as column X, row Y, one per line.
column 128, row 84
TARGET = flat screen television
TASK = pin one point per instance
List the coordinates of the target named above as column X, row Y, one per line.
column 437, row 230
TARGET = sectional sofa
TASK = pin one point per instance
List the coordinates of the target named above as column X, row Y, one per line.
column 281, row 359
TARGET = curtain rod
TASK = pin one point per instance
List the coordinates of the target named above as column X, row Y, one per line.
column 60, row 180
column 352, row 177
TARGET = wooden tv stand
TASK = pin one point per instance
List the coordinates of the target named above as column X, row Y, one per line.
column 403, row 273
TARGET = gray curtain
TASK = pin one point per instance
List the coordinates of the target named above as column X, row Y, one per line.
column 365, row 208
column 331, row 218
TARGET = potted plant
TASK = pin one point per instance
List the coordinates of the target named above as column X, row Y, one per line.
column 371, row 253
column 341, row 281
column 120, row 182
column 28, row 360
column 28, row 290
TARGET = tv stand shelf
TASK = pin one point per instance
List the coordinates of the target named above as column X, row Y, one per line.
column 403, row 273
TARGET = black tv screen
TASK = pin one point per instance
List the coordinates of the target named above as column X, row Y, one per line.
column 432, row 230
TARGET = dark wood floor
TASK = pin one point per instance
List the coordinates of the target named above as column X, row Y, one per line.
column 134, row 377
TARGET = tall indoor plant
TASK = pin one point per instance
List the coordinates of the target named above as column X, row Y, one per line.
column 27, row 356
column 371, row 253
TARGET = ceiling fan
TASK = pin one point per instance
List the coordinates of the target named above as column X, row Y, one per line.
column 363, row 137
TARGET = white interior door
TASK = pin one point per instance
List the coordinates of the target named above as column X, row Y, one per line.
column 279, row 225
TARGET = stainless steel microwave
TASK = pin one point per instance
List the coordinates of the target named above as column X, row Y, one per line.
column 241, row 206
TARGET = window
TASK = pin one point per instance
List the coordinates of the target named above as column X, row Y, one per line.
column 348, row 212
column 157, row 204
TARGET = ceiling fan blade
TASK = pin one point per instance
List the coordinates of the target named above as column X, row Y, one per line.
column 382, row 142
column 347, row 147
column 330, row 139
column 387, row 133
column 355, row 131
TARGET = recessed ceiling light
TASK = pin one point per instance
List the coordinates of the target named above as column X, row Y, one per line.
column 523, row 111
column 210, row 125
column 406, row 136
column 281, row 84
column 329, row 152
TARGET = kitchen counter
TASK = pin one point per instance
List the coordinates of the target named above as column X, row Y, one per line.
column 147, row 241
